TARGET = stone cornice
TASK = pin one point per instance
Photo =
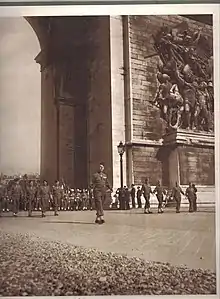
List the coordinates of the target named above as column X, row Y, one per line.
column 189, row 138
column 143, row 142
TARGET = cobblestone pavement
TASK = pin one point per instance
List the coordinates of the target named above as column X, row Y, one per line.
column 180, row 239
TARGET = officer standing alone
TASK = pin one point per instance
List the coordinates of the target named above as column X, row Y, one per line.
column 100, row 184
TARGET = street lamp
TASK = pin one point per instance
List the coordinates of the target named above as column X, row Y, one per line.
column 121, row 150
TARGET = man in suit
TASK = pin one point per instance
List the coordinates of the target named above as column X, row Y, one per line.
column 100, row 185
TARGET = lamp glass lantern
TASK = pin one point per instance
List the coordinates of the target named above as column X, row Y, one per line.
column 121, row 148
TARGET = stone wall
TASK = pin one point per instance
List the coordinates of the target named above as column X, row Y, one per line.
column 196, row 165
column 146, row 164
column 147, row 124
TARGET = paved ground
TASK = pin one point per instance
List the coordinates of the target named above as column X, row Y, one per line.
column 180, row 239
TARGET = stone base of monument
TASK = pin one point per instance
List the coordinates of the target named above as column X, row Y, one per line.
column 189, row 157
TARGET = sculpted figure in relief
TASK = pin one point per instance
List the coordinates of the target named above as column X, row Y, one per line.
column 185, row 93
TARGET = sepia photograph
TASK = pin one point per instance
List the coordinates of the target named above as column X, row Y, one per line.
column 108, row 154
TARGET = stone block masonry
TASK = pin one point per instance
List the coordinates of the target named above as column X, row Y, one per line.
column 146, row 121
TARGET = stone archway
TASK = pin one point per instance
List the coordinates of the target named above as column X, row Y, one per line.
column 82, row 96
column 76, row 109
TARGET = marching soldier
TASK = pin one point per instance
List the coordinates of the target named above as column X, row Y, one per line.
column 31, row 197
column 37, row 203
column 16, row 195
column 24, row 186
column 58, row 193
column 2, row 197
column 7, row 200
column 45, row 196
column 100, row 185
column 176, row 194
column 146, row 190
column 190, row 194
column 139, row 193
column 133, row 193
column 195, row 198
column 72, row 200
column 159, row 190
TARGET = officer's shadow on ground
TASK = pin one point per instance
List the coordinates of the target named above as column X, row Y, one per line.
column 71, row 222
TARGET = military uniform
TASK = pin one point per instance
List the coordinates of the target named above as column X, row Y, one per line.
column 2, row 197
column 195, row 199
column 31, row 197
column 133, row 192
column 159, row 190
column 191, row 195
column 146, row 190
column 16, row 195
column 25, row 201
column 176, row 194
column 57, row 197
column 139, row 193
column 44, row 194
column 100, row 184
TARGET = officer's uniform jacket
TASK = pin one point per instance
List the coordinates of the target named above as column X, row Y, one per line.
column 58, row 192
column 16, row 192
column 31, row 193
column 176, row 193
column 146, row 189
column 44, row 192
column 159, row 190
column 100, row 182
column 190, row 193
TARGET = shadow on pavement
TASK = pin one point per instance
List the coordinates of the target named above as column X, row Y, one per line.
column 71, row 222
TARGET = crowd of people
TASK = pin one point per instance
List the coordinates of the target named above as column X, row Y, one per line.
column 28, row 194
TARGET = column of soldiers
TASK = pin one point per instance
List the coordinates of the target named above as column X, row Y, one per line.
column 124, row 196
column 32, row 195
